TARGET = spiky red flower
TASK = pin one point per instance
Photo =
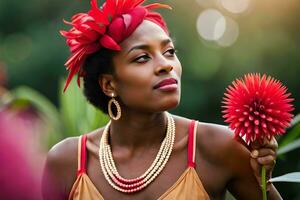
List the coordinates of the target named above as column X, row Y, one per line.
column 105, row 27
column 257, row 107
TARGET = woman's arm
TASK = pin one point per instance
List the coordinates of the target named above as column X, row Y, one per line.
column 234, row 158
column 245, row 182
column 60, row 170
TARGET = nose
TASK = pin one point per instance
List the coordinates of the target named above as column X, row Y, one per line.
column 163, row 66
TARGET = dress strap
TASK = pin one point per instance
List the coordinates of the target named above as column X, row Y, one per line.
column 192, row 143
column 81, row 155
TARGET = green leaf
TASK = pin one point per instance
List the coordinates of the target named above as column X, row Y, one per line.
column 292, row 135
column 72, row 107
column 287, row 148
column 290, row 177
column 78, row 115
column 229, row 196
column 96, row 118
column 45, row 107
column 296, row 120
column 38, row 100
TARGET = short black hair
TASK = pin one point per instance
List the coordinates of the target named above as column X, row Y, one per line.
column 96, row 64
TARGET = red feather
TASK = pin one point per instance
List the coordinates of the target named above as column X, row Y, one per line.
column 109, row 43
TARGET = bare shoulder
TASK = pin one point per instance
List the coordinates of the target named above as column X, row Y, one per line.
column 60, row 171
column 212, row 134
column 60, row 168
column 213, row 139
column 64, row 153
column 218, row 144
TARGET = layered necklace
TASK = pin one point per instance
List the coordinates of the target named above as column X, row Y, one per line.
column 121, row 184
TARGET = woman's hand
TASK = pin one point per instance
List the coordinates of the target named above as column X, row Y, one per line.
column 263, row 155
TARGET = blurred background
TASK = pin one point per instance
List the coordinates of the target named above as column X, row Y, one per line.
column 217, row 41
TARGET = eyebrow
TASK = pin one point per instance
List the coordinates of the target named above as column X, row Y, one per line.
column 145, row 46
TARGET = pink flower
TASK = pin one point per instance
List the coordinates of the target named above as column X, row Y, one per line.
column 21, row 158
column 257, row 107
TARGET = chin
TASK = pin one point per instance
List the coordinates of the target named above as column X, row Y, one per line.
column 169, row 104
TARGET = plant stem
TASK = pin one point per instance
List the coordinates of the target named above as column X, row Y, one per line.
column 263, row 182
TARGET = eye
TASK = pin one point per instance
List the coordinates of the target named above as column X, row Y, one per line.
column 170, row 52
column 141, row 59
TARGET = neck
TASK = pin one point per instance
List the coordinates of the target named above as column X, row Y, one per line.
column 134, row 130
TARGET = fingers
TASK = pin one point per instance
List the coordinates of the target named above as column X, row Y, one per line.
column 272, row 143
column 263, row 152
column 264, row 157
column 267, row 161
column 266, row 154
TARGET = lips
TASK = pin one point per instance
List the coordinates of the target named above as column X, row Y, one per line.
column 165, row 82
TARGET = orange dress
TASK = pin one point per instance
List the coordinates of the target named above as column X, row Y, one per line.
column 187, row 187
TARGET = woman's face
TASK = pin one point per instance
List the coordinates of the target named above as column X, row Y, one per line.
column 147, row 71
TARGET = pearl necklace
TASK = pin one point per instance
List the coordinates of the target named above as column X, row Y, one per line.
column 121, row 184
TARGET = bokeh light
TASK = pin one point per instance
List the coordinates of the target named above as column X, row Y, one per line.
column 211, row 24
column 235, row 6
column 214, row 27
column 231, row 33
column 206, row 3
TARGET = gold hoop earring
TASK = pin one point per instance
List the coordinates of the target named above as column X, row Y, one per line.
column 118, row 107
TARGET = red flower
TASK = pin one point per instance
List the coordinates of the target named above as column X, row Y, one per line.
column 104, row 27
column 257, row 107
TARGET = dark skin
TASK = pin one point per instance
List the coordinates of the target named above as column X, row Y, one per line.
column 222, row 163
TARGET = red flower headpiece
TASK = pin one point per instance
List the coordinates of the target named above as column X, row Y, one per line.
column 105, row 27
column 257, row 107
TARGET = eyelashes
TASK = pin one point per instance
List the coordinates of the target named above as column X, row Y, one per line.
column 145, row 57
column 141, row 59
column 171, row 51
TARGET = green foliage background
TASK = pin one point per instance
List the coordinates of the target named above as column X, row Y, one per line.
column 33, row 54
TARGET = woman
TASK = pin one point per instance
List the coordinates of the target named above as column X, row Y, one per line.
column 130, row 69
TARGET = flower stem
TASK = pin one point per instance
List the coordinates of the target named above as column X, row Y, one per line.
column 263, row 182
